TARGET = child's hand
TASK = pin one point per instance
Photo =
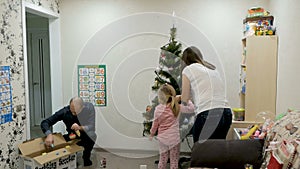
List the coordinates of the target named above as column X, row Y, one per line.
column 178, row 98
column 151, row 138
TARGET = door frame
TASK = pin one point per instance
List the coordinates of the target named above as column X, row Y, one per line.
column 55, row 57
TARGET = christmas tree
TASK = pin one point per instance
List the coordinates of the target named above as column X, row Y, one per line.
column 168, row 71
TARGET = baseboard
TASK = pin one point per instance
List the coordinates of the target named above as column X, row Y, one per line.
column 117, row 150
column 131, row 151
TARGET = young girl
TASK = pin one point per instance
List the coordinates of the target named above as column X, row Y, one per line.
column 167, row 123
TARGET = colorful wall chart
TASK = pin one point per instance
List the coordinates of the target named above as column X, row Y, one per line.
column 5, row 95
column 92, row 84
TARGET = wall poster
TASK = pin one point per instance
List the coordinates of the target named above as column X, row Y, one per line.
column 92, row 84
column 5, row 95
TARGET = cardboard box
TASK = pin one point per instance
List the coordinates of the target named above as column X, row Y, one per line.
column 37, row 156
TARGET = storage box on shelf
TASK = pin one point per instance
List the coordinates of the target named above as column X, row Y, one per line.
column 260, row 25
column 236, row 133
column 231, row 135
column 251, row 132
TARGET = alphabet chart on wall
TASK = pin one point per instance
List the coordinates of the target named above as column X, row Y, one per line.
column 5, row 95
column 92, row 84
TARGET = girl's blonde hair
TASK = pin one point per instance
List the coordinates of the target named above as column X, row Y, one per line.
column 167, row 94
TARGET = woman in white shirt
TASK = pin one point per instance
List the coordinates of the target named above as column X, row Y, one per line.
column 203, row 83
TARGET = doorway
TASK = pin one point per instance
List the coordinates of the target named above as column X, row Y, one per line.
column 51, row 90
column 39, row 76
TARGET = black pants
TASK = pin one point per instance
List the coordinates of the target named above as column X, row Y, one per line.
column 212, row 124
column 87, row 141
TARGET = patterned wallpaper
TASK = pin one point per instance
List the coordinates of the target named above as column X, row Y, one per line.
column 11, row 54
column 48, row 4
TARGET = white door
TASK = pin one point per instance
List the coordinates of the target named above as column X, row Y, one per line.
column 39, row 76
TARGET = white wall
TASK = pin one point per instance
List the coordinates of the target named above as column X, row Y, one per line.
column 287, row 20
column 100, row 32
column 14, row 55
